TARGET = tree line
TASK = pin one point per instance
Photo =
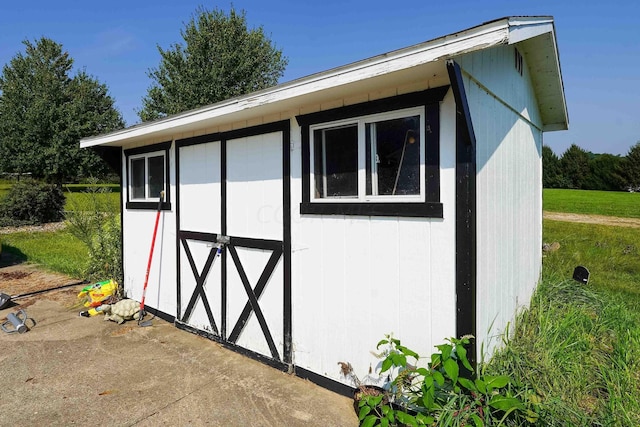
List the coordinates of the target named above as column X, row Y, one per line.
column 45, row 108
column 581, row 169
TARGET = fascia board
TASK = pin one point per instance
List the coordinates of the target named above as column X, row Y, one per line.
column 470, row 40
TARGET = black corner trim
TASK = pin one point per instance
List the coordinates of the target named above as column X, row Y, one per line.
column 466, row 244
column 462, row 107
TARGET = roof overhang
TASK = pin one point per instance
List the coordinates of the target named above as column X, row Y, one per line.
column 534, row 35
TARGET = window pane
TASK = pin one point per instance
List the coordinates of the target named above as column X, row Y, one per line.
column 156, row 176
column 336, row 161
column 393, row 156
column 137, row 178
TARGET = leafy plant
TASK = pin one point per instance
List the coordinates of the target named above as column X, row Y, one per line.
column 94, row 220
column 440, row 394
column 32, row 202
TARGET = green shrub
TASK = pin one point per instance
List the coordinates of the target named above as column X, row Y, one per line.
column 32, row 202
column 94, row 221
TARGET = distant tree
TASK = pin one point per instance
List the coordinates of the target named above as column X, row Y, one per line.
column 604, row 173
column 44, row 112
column 575, row 166
column 551, row 170
column 630, row 168
column 221, row 59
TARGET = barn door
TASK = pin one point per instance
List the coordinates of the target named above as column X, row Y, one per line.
column 236, row 293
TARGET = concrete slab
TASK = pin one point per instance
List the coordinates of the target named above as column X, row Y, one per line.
column 71, row 370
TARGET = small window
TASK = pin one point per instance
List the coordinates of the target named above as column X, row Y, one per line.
column 374, row 158
column 148, row 176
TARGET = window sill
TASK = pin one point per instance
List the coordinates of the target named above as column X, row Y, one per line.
column 166, row 206
column 415, row 210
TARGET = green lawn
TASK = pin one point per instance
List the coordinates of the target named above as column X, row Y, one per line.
column 57, row 251
column 610, row 203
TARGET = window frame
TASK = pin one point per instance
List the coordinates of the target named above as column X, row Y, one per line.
column 427, row 205
column 155, row 150
column 361, row 123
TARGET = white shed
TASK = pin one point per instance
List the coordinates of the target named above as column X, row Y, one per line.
column 401, row 193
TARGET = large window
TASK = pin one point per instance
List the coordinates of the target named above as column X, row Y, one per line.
column 148, row 176
column 375, row 158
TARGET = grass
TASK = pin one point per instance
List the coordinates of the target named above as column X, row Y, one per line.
column 610, row 203
column 579, row 346
column 69, row 256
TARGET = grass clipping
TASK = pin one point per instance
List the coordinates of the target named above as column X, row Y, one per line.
column 580, row 351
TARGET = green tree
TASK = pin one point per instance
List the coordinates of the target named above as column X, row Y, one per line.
column 630, row 168
column 604, row 173
column 221, row 59
column 551, row 170
column 44, row 112
column 575, row 166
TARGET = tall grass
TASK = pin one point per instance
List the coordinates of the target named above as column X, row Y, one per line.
column 578, row 345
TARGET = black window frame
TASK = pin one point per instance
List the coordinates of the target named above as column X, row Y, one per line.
column 164, row 147
column 431, row 207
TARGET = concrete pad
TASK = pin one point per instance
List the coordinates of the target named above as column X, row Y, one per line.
column 71, row 370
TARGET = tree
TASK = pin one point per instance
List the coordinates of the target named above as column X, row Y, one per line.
column 221, row 59
column 575, row 166
column 44, row 112
column 551, row 170
column 604, row 173
column 630, row 168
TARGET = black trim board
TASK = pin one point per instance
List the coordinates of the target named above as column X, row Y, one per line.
column 466, row 256
column 322, row 381
column 241, row 350
column 431, row 207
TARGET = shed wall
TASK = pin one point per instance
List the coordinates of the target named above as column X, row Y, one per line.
column 509, row 188
column 358, row 278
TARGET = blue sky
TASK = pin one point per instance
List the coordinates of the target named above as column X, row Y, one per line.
column 116, row 41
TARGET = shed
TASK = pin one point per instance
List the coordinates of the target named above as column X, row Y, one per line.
column 399, row 194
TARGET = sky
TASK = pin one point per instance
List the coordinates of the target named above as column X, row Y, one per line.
column 117, row 43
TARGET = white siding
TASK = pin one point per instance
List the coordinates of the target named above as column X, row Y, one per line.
column 200, row 188
column 200, row 211
column 358, row 278
column 254, row 187
column 509, row 188
column 137, row 227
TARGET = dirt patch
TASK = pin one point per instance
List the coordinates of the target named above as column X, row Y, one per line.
column 593, row 219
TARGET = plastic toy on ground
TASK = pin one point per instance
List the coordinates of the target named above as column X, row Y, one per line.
column 127, row 309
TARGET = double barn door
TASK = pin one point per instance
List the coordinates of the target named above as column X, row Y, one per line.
column 236, row 185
